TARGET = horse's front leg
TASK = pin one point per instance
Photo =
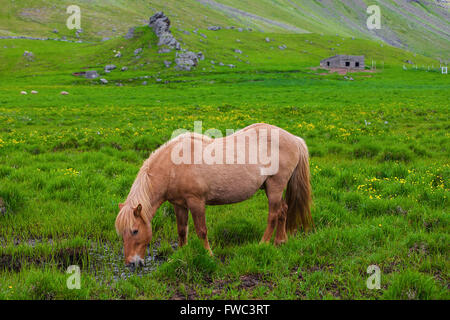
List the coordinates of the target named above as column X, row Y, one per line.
column 197, row 208
column 182, row 224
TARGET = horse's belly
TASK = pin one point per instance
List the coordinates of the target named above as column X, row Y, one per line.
column 235, row 186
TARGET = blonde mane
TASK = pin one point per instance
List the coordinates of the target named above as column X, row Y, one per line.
column 140, row 192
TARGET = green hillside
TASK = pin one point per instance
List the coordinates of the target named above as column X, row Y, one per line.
column 419, row 26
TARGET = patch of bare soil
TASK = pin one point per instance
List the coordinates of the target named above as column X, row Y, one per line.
column 189, row 295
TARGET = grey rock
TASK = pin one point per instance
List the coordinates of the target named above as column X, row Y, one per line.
column 200, row 55
column 161, row 26
column 186, row 32
column 130, row 34
column 214, row 28
column 124, row 69
column 164, row 50
column 28, row 55
column 110, row 67
column 167, row 63
column 137, row 51
column 118, row 55
column 238, row 51
column 106, row 39
column 144, row 83
column 55, row 31
column 186, row 60
column 91, row 74
column 103, row 81
column 203, row 35
column 267, row 39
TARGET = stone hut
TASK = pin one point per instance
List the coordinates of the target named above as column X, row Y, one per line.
column 343, row 61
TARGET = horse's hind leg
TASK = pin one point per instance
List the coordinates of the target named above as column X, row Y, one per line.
column 281, row 235
column 182, row 224
column 197, row 208
column 274, row 192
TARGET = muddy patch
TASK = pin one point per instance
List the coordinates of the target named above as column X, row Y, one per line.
column 61, row 258
column 101, row 260
column 106, row 262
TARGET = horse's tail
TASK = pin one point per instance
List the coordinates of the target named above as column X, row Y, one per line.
column 298, row 194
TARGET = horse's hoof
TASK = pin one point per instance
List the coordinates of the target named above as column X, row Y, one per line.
column 279, row 242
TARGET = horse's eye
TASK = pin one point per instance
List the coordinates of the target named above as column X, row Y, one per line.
column 134, row 232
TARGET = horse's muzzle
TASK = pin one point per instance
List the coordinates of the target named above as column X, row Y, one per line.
column 136, row 261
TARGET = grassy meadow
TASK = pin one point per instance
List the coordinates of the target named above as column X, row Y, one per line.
column 379, row 163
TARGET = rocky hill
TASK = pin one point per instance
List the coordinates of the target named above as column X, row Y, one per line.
column 416, row 25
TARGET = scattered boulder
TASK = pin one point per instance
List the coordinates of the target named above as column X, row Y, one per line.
column 409, row 61
column 164, row 50
column 34, row 92
column 144, row 83
column 186, row 32
column 55, row 31
column 103, row 81
column 23, row 92
column 214, row 28
column 267, row 39
column 238, row 51
column 106, row 38
column 118, row 55
column 282, row 47
column 200, row 55
column 167, row 63
column 203, row 35
column 28, row 55
column 137, row 51
column 124, row 69
column 186, row 60
column 109, row 67
column 64, row 93
column 91, row 74
column 130, row 34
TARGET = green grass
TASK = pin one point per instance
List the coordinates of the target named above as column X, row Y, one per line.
column 379, row 164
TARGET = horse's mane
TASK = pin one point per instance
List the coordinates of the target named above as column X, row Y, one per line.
column 140, row 192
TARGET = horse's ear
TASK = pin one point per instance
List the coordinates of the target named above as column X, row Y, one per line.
column 121, row 206
column 137, row 211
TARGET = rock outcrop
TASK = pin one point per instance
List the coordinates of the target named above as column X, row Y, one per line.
column 184, row 59
column 161, row 26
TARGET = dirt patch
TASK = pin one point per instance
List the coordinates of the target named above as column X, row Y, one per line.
column 250, row 281
column 190, row 294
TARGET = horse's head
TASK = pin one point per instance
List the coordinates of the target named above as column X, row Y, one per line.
column 135, row 228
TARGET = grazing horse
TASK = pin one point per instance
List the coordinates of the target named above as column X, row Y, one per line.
column 219, row 171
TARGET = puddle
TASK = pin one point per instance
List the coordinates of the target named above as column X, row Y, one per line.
column 104, row 262
column 101, row 260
